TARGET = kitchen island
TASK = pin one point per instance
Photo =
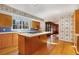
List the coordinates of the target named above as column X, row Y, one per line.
column 28, row 43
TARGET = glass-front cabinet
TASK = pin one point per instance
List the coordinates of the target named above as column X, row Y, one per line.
column 20, row 23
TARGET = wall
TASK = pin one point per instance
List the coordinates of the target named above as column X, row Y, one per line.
column 66, row 28
column 42, row 25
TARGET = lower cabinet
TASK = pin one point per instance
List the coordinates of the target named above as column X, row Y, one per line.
column 35, row 44
column 28, row 45
column 23, row 45
column 43, row 39
column 8, row 40
column 5, row 40
column 15, row 39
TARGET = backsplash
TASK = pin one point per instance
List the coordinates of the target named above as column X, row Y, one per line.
column 4, row 29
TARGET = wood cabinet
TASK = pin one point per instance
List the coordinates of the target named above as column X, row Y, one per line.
column 21, row 45
column 15, row 39
column 8, row 40
column 5, row 20
column 77, row 21
column 50, row 26
column 34, row 44
column 36, row 25
column 37, row 42
column 28, row 45
column 43, row 39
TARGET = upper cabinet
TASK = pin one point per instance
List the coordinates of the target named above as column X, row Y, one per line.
column 20, row 22
column 5, row 20
column 50, row 26
column 76, row 21
column 36, row 25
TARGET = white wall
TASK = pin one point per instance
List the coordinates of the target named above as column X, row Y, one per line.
column 66, row 28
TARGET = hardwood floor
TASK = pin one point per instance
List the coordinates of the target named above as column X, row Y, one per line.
column 61, row 48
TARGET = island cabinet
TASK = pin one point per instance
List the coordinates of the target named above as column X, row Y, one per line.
column 23, row 45
column 8, row 40
column 29, row 45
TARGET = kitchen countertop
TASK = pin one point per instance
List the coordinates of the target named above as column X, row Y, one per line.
column 7, row 32
column 34, row 34
column 27, row 34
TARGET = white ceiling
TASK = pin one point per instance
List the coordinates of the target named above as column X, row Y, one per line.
column 46, row 11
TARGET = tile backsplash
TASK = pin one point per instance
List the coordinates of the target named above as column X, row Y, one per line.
column 4, row 29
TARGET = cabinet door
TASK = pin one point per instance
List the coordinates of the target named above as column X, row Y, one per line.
column 15, row 39
column 21, row 44
column 6, row 40
column 77, row 21
column 35, row 25
column 27, row 46
column 34, row 44
column 43, row 39
column 5, row 20
column 24, row 45
column 38, row 42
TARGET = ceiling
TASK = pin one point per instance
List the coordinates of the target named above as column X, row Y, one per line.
column 46, row 11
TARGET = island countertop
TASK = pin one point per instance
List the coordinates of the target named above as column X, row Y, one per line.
column 34, row 34
column 27, row 34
